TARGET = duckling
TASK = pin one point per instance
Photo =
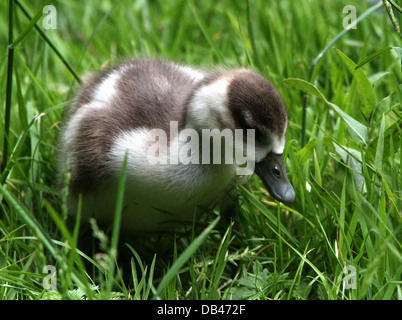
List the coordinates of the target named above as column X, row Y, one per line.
column 116, row 114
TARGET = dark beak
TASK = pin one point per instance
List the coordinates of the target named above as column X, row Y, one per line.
column 272, row 172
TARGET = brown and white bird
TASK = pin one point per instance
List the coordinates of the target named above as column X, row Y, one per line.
column 120, row 110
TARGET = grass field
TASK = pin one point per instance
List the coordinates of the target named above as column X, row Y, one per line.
column 341, row 239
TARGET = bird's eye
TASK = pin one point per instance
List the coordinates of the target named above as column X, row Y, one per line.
column 276, row 172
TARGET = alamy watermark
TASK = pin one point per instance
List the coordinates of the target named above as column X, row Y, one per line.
column 50, row 19
column 211, row 145
column 350, row 279
column 349, row 22
column 49, row 282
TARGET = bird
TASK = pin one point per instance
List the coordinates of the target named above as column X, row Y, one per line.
column 159, row 117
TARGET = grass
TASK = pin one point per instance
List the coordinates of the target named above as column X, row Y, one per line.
column 346, row 220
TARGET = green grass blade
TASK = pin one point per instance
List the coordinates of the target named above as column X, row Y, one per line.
column 219, row 265
column 380, row 145
column 320, row 274
column 322, row 53
column 9, row 84
column 32, row 23
column 29, row 219
column 250, row 27
column 16, row 151
column 366, row 90
column 116, row 225
column 204, row 31
column 398, row 50
column 50, row 43
column 150, row 279
column 357, row 130
column 184, row 257
column 372, row 56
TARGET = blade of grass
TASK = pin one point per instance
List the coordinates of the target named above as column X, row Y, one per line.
column 96, row 30
column 317, row 169
column 204, row 31
column 9, row 85
column 16, row 151
column 29, row 219
column 116, row 225
column 51, row 45
column 250, row 28
column 321, row 54
column 371, row 57
column 321, row 275
column 172, row 286
column 395, row 5
column 46, row 93
column 31, row 24
column 150, row 279
column 380, row 145
column 267, row 213
column 366, row 91
column 219, row 264
column 77, row 274
column 184, row 257
column 139, row 287
column 357, row 130
column 298, row 274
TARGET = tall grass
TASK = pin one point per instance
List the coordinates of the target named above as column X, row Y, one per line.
column 340, row 240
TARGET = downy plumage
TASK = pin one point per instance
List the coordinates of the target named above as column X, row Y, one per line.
column 115, row 112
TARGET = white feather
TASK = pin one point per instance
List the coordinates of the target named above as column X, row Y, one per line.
column 278, row 144
column 106, row 91
column 209, row 103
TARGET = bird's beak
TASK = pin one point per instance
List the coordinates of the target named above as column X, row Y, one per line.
column 272, row 172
